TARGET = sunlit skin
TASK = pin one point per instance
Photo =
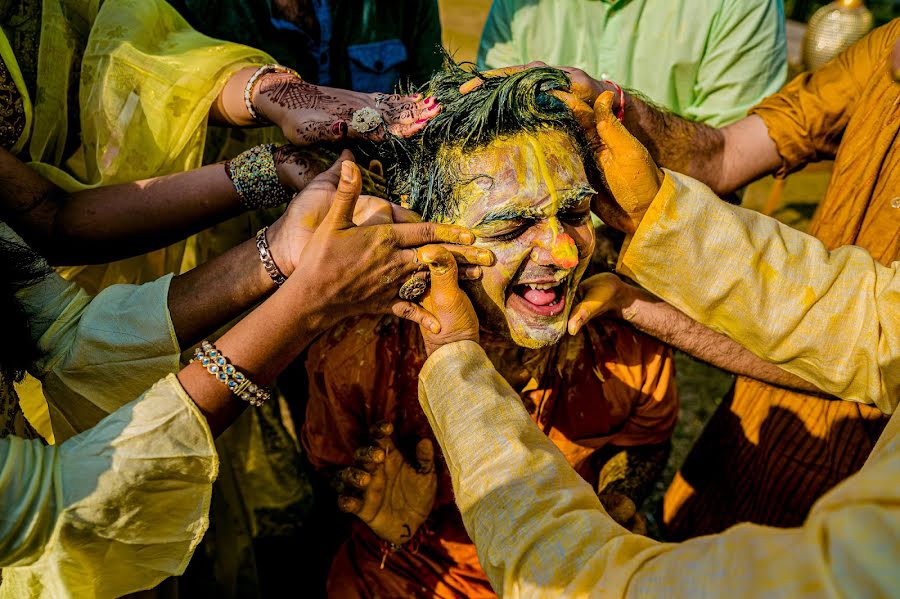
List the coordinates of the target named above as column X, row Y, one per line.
column 529, row 203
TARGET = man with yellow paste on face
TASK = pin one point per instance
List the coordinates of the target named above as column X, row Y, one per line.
column 507, row 161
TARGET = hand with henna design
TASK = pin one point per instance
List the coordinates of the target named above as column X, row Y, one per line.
column 385, row 491
column 310, row 114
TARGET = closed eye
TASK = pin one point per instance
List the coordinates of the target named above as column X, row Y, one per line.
column 575, row 218
column 507, row 230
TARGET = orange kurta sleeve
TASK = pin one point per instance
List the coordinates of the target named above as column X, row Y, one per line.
column 807, row 118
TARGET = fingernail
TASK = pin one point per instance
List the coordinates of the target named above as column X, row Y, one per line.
column 467, row 237
column 429, row 100
column 420, row 121
column 434, row 327
column 473, row 273
column 486, row 257
column 346, row 172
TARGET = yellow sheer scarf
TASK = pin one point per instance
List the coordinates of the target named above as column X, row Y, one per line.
column 145, row 85
column 147, row 80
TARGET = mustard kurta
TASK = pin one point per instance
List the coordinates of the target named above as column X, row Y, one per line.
column 826, row 317
column 768, row 453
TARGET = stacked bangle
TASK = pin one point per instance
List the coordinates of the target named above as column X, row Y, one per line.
column 251, row 83
column 255, row 178
column 217, row 365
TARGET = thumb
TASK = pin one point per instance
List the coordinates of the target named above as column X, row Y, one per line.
column 425, row 456
column 611, row 131
column 340, row 215
column 444, row 276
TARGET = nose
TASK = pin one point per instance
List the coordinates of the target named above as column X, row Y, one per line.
column 554, row 247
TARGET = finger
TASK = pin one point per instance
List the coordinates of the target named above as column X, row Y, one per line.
column 619, row 507
column 476, row 82
column 639, row 524
column 381, row 429
column 404, row 215
column 470, row 273
column 470, row 255
column 376, row 168
column 330, row 177
column 417, row 314
column 581, row 110
column 349, row 504
column 611, row 131
column 340, row 215
column 355, row 478
column 425, row 457
column 410, row 235
column 444, row 275
column 368, row 457
column 598, row 296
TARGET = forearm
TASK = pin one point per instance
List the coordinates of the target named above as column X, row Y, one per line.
column 632, row 471
column 109, row 223
column 724, row 159
column 212, row 294
column 261, row 345
column 826, row 316
column 657, row 318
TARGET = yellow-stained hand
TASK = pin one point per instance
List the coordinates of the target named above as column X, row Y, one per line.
column 446, row 301
column 387, row 492
column 599, row 295
column 630, row 175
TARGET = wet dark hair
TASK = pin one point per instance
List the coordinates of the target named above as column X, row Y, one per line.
column 19, row 268
column 423, row 179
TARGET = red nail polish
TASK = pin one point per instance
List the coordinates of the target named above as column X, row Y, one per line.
column 420, row 121
column 429, row 100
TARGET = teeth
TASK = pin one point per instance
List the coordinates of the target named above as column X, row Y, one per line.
column 544, row 286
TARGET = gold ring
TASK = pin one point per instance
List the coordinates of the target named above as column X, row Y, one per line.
column 413, row 288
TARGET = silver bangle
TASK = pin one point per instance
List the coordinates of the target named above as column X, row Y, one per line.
column 265, row 256
column 212, row 360
column 251, row 83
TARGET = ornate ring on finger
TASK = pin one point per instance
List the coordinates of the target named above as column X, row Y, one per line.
column 365, row 120
column 413, row 288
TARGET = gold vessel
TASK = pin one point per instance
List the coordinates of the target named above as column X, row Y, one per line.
column 832, row 29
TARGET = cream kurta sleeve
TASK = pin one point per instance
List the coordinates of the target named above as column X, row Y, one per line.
column 831, row 318
column 540, row 530
column 113, row 510
column 97, row 353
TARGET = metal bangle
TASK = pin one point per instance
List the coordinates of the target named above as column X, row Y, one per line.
column 212, row 360
column 251, row 83
column 265, row 256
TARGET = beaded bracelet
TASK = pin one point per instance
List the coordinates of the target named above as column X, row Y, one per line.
column 255, row 178
column 248, row 89
column 217, row 365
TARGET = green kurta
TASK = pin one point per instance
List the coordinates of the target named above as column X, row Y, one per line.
column 709, row 60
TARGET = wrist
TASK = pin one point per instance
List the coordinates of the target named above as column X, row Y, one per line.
column 264, row 94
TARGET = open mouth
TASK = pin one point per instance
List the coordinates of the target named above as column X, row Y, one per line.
column 544, row 299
